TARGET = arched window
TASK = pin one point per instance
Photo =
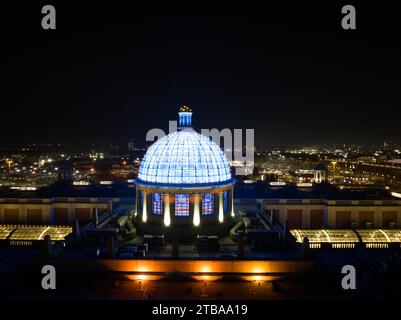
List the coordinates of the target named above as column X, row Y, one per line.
column 207, row 204
column 182, row 205
column 157, row 204
column 225, row 201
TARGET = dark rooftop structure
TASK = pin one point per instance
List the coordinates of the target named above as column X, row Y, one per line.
column 257, row 190
column 261, row 190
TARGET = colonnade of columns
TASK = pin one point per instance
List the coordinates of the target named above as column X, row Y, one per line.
column 144, row 207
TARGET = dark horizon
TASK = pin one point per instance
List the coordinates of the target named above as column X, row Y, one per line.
column 107, row 74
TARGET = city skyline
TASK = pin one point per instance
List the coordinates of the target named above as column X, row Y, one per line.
column 200, row 160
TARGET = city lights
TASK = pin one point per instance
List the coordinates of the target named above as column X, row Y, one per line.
column 396, row 194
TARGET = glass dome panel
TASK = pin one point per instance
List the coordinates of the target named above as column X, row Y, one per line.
column 184, row 157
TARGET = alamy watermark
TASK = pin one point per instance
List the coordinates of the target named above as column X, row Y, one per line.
column 49, row 280
column 49, row 19
column 349, row 280
column 348, row 21
column 240, row 154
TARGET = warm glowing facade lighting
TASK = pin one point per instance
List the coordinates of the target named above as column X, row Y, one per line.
column 396, row 194
column 207, row 277
column 144, row 277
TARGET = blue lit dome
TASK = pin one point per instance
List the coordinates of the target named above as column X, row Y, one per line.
column 184, row 157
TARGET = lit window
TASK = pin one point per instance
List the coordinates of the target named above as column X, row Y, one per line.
column 157, row 204
column 225, row 201
column 182, row 205
column 207, row 204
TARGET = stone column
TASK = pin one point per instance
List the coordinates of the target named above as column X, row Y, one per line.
column 305, row 216
column 137, row 201
column 377, row 218
column 221, row 207
column 166, row 209
column 196, row 209
column 231, row 202
column 71, row 214
column 216, row 204
column 144, row 206
column 355, row 217
column 325, row 216
column 331, row 217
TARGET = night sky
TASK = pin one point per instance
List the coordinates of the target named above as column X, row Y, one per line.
column 110, row 73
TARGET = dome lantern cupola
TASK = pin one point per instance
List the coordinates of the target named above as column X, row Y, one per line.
column 185, row 117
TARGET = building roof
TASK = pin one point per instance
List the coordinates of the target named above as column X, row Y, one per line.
column 116, row 190
column 347, row 235
column 320, row 167
column 25, row 232
column 261, row 190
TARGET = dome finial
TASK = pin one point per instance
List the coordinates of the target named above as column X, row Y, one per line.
column 185, row 109
column 185, row 117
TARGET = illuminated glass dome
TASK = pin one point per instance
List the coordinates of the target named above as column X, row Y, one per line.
column 184, row 157
column 184, row 186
